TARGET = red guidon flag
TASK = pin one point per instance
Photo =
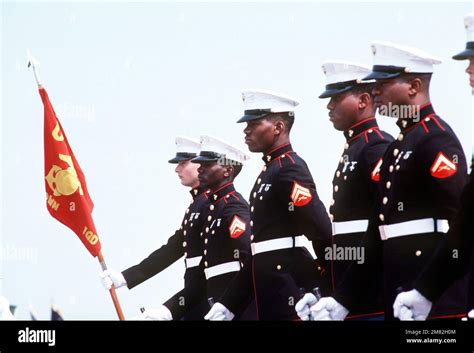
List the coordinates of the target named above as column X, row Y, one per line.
column 67, row 198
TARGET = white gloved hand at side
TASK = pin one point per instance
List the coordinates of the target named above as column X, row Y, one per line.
column 411, row 305
column 328, row 309
column 112, row 277
column 303, row 307
column 219, row 312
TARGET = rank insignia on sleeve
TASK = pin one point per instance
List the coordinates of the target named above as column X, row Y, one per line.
column 442, row 167
column 237, row 227
column 375, row 175
column 300, row 195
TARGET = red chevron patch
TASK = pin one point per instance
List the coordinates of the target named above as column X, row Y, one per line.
column 300, row 195
column 442, row 167
column 375, row 175
column 237, row 227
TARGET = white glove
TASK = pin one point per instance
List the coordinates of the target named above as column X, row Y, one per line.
column 303, row 306
column 161, row 313
column 471, row 314
column 411, row 305
column 328, row 309
column 219, row 312
column 112, row 277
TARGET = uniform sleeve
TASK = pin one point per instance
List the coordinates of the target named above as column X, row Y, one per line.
column 451, row 260
column 371, row 161
column 240, row 289
column 156, row 262
column 189, row 297
column 237, row 222
column 442, row 163
column 296, row 189
column 364, row 278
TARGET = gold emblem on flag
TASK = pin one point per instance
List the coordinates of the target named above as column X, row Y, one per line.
column 64, row 181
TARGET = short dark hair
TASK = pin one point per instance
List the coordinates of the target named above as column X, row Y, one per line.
column 362, row 88
column 288, row 118
column 424, row 77
column 237, row 169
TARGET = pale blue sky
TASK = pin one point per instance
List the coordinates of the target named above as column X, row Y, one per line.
column 125, row 78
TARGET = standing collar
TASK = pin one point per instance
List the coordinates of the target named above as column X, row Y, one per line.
column 215, row 195
column 424, row 111
column 270, row 156
column 358, row 128
column 195, row 192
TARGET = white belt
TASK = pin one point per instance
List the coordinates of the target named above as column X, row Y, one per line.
column 192, row 261
column 278, row 244
column 418, row 226
column 357, row 226
column 221, row 269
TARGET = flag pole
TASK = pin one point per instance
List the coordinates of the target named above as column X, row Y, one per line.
column 118, row 308
column 34, row 64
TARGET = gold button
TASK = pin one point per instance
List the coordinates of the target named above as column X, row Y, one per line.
column 400, row 137
column 205, row 241
column 346, row 146
column 382, row 217
column 390, row 169
column 185, row 255
column 259, row 180
column 184, row 233
column 338, row 174
column 207, row 229
column 187, row 211
column 333, row 202
column 341, row 160
column 385, row 200
column 264, row 168
column 418, row 253
column 395, row 152
column 255, row 194
column 211, row 207
column 251, row 209
column 261, row 197
column 191, row 224
column 351, row 132
column 209, row 218
column 184, row 244
column 388, row 184
column 200, row 234
column 205, row 263
column 397, row 167
column 336, row 188
column 252, row 237
column 427, row 119
column 185, row 221
column 213, row 232
column 278, row 267
column 345, row 177
column 371, row 131
column 251, row 223
column 205, row 252
column 282, row 156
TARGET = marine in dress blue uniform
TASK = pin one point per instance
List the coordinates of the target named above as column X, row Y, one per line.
column 285, row 211
column 445, row 268
column 188, row 234
column 422, row 176
column 356, row 181
column 225, row 230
